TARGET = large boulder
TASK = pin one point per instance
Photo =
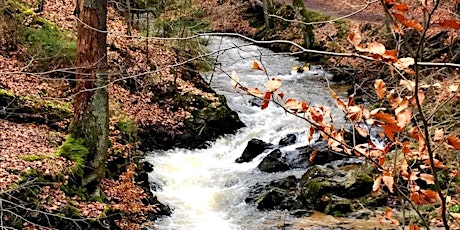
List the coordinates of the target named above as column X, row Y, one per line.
column 337, row 190
column 254, row 148
column 272, row 163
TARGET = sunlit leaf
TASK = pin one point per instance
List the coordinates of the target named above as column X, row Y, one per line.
column 380, row 88
column 376, row 48
column 388, row 180
column 390, row 130
column 385, row 117
column 256, row 92
column 404, row 118
column 437, row 163
column 295, row 106
column 377, row 184
column 354, row 38
column 362, row 131
column 355, row 113
column 404, row 63
column 273, row 85
column 339, row 102
column 438, row 135
column 428, row 178
column 256, row 66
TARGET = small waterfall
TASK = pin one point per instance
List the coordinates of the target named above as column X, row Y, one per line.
column 205, row 187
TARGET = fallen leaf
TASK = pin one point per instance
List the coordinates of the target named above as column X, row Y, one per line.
column 449, row 24
column 380, row 88
column 354, row 38
column 428, row 178
column 453, row 141
column 438, row 135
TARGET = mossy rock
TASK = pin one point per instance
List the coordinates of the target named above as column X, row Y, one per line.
column 350, row 182
column 28, row 108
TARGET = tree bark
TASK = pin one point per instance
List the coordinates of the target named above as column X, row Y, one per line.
column 90, row 120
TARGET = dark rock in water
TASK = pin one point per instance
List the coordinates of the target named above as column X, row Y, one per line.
column 271, row 163
column 280, row 194
column 252, row 150
column 288, row 140
column 255, row 101
column 323, row 153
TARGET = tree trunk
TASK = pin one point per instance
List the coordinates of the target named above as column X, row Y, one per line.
column 266, row 19
column 90, row 120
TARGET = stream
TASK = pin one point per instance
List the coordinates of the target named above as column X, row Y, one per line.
column 205, row 187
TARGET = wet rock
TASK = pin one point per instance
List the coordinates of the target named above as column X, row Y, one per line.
column 362, row 214
column 351, row 181
column 336, row 206
column 277, row 195
column 272, row 163
column 255, row 101
column 254, row 148
column 288, row 140
column 323, row 153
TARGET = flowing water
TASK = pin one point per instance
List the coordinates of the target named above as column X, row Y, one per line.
column 205, row 187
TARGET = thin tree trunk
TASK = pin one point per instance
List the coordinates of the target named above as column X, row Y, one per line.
column 266, row 20
column 128, row 16
column 90, row 120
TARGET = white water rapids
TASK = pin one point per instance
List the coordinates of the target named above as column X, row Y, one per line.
column 205, row 187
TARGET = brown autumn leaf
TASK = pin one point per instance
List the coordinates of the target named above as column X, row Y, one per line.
column 235, row 79
column 397, row 29
column 376, row 48
column 449, row 24
column 354, row 38
column 438, row 135
column 256, row 66
column 388, row 180
column 401, row 7
column 413, row 24
column 399, row 17
column 404, row 118
column 362, row 131
column 437, row 163
column 312, row 155
column 390, row 130
column 380, row 88
column 410, row 85
column 339, row 102
column 390, row 55
column 454, row 142
column 267, row 97
column 295, row 106
column 428, row 178
column 385, row 117
column 355, row 113
column 430, row 195
column 413, row 226
column 377, row 184
column 404, row 63
column 273, row 85
column 256, row 92
column 389, row 215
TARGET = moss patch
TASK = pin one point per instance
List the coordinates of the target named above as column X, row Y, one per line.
column 74, row 150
